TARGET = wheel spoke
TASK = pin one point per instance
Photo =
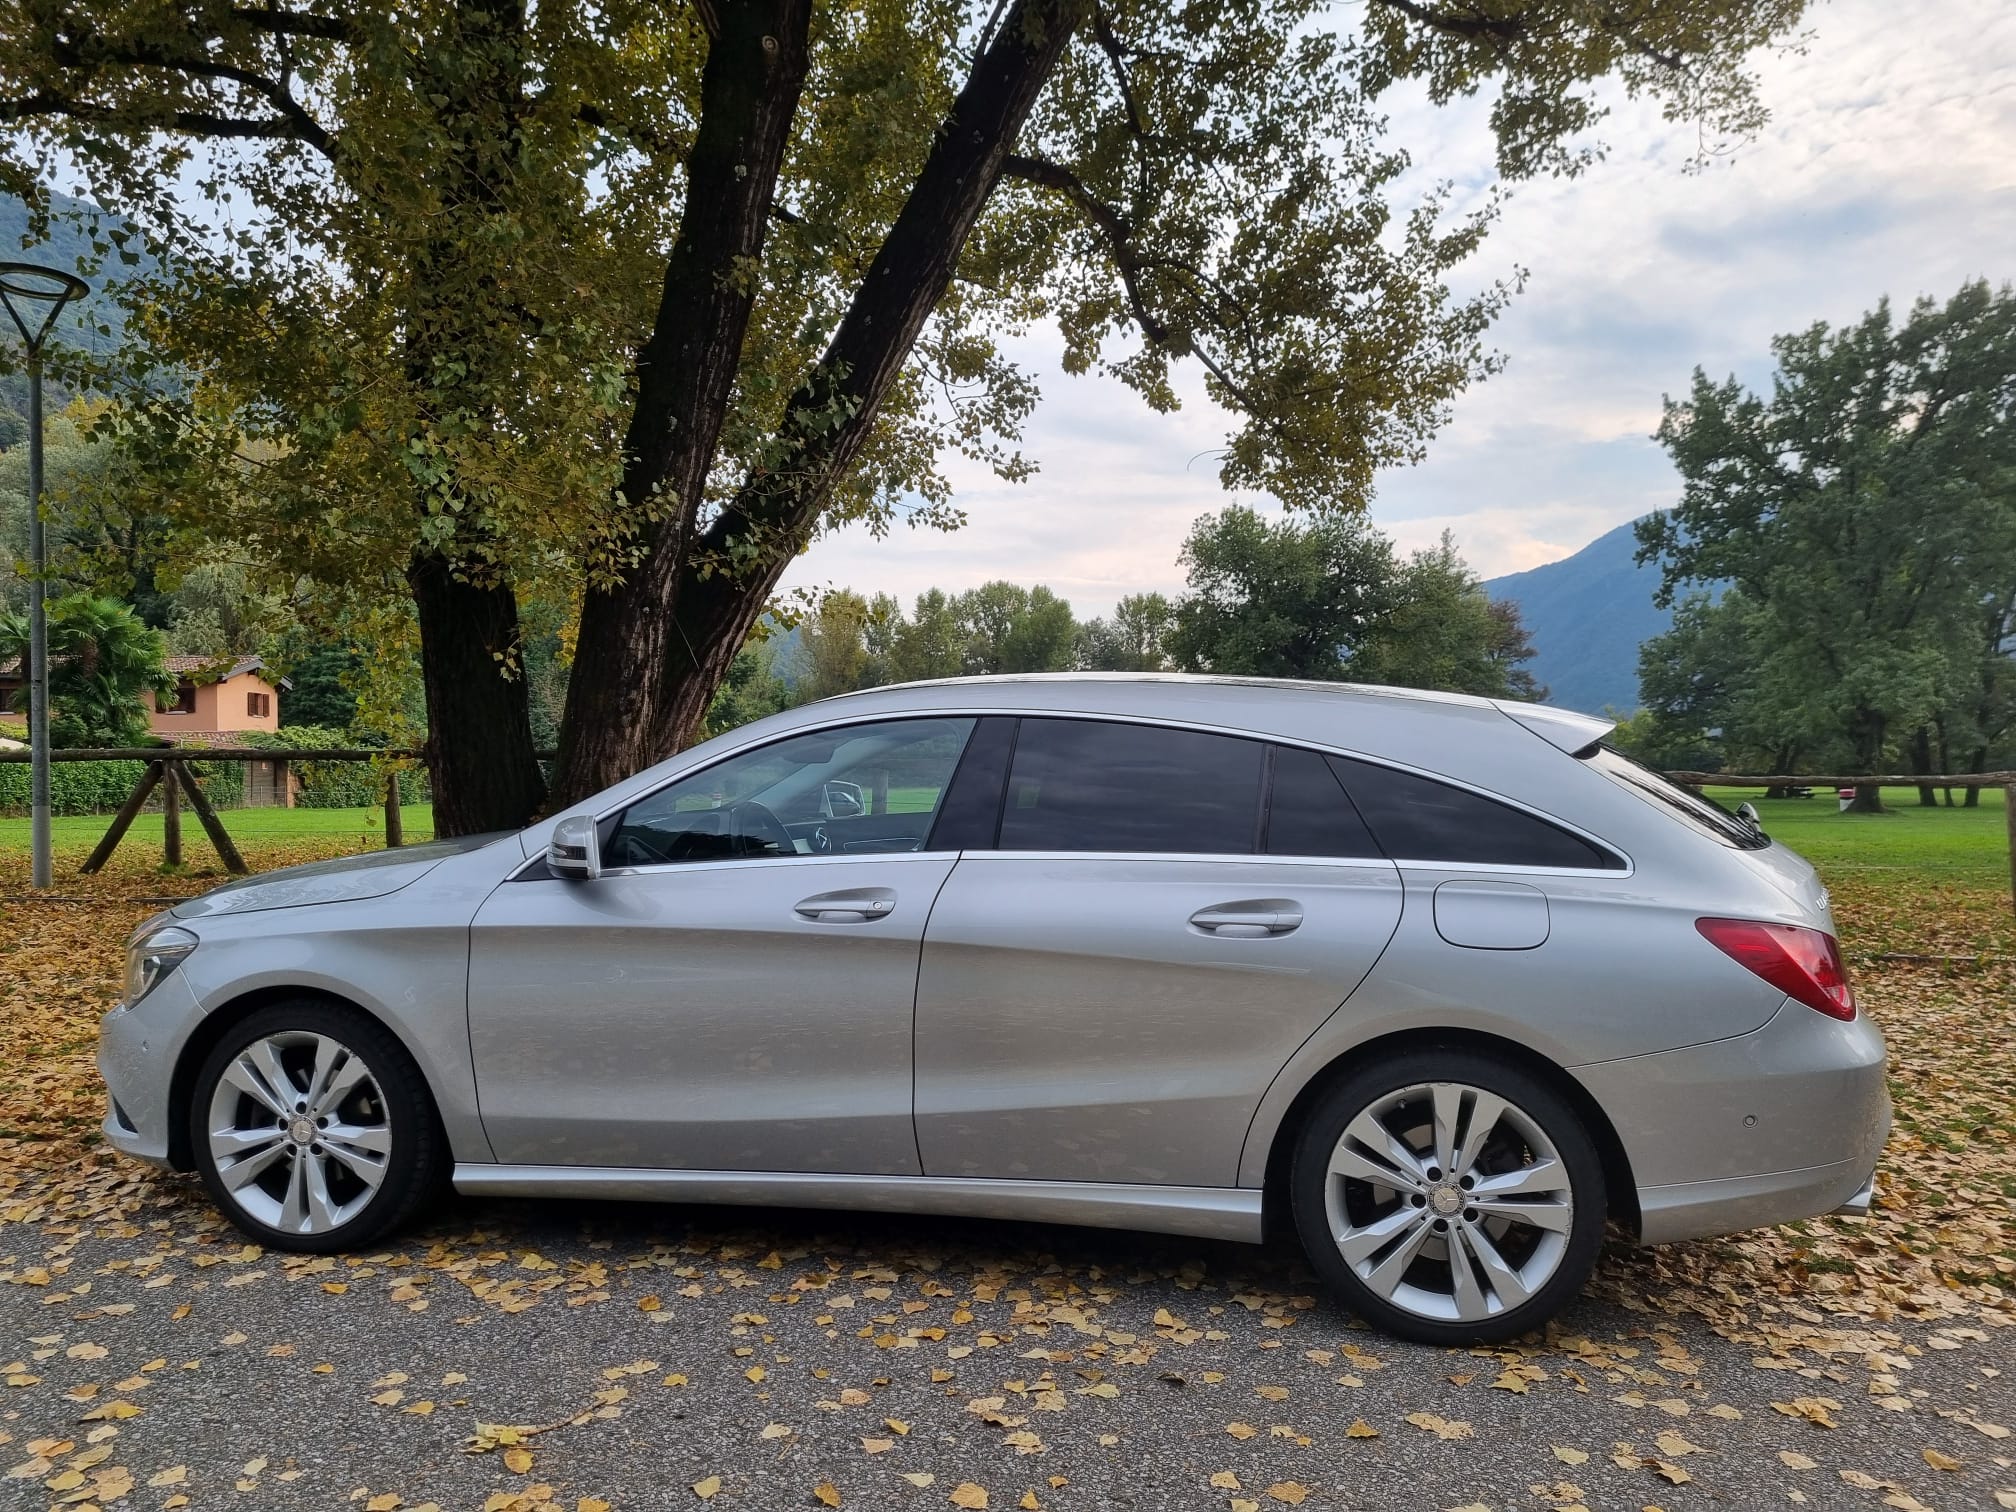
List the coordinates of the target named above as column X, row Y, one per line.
column 1558, row 1217
column 236, row 1144
column 1447, row 1099
column 1540, row 1179
column 366, row 1163
column 257, row 1073
column 1384, row 1277
column 1349, row 1161
column 320, row 1209
column 1471, row 1303
column 1505, row 1281
column 343, row 1079
column 1367, row 1240
column 238, row 1172
column 1484, row 1110
column 1373, row 1134
column 294, row 1207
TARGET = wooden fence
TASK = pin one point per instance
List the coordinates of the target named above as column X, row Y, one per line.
column 168, row 771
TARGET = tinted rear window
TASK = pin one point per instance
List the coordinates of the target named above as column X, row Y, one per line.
column 1085, row 785
column 1696, row 810
column 1420, row 819
column 1308, row 811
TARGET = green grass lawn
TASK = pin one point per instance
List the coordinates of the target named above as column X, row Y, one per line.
column 1941, row 840
column 246, row 826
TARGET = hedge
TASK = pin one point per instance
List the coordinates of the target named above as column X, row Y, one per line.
column 75, row 787
column 99, row 787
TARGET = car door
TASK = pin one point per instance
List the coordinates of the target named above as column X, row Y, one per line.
column 1167, row 913
column 735, row 992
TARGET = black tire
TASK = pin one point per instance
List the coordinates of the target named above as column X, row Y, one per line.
column 1310, row 1191
column 415, row 1166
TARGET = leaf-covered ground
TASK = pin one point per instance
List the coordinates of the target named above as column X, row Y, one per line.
column 520, row 1355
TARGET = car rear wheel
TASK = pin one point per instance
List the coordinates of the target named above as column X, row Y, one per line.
column 313, row 1128
column 1449, row 1198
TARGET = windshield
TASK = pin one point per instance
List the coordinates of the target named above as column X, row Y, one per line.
column 1697, row 810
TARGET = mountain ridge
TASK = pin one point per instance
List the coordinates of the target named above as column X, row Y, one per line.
column 1588, row 614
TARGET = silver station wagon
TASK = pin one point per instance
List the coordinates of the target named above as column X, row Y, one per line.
column 1444, row 982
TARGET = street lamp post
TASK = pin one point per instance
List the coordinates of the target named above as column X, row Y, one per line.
column 34, row 296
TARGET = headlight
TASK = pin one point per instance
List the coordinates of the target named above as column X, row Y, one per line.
column 152, row 957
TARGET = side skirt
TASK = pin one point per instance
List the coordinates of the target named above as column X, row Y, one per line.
column 1197, row 1212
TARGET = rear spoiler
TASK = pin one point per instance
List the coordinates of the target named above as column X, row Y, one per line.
column 1563, row 728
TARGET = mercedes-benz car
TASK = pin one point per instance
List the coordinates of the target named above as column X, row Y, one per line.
column 1443, row 982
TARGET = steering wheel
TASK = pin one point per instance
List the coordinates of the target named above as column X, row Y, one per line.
column 751, row 821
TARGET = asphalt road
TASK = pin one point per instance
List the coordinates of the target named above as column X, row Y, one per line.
column 676, row 1357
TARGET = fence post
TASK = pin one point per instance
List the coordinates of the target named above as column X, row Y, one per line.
column 134, row 801
column 395, row 823
column 2009, row 816
column 171, row 824
column 207, row 816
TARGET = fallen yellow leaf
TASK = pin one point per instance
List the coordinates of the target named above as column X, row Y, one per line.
column 1940, row 1461
column 826, row 1494
column 518, row 1459
column 973, row 1498
column 1292, row 1493
column 707, row 1489
column 1571, row 1456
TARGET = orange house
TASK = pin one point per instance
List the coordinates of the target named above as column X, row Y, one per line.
column 242, row 697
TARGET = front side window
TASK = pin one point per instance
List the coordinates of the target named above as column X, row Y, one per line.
column 863, row 790
column 1419, row 819
column 1085, row 785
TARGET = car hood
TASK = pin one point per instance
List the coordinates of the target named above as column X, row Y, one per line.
column 347, row 879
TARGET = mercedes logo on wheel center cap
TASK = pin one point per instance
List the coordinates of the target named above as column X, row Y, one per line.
column 1447, row 1200
column 302, row 1131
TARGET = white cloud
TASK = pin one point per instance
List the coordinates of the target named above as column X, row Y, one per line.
column 1886, row 169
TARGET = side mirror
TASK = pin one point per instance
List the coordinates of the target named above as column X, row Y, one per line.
column 844, row 800
column 1747, row 812
column 575, row 851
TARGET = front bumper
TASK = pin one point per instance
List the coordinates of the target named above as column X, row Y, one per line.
column 137, row 1051
column 1785, row 1122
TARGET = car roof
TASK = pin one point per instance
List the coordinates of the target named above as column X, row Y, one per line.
column 1562, row 728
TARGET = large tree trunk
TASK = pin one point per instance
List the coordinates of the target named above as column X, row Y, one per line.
column 640, row 639
column 479, row 746
column 1866, row 731
column 652, row 652
column 1921, row 761
column 1977, row 761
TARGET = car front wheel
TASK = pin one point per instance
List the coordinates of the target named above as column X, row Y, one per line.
column 313, row 1128
column 1448, row 1197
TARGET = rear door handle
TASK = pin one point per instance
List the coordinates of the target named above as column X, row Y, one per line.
column 1249, row 919
column 855, row 905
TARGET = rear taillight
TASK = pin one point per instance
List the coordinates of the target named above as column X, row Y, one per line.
column 1801, row 963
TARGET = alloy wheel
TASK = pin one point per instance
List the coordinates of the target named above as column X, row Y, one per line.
column 1449, row 1201
column 299, row 1132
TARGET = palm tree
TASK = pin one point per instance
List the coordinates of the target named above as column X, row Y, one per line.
column 101, row 659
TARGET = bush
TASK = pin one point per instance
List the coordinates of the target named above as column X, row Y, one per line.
column 75, row 787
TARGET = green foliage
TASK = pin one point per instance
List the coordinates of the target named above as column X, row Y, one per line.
column 750, row 691
column 340, row 360
column 1132, row 641
column 101, row 660
column 317, row 693
column 1280, row 599
column 1865, row 514
column 75, row 787
column 1330, row 600
column 335, row 784
column 1439, row 629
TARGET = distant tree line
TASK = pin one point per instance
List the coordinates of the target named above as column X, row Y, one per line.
column 1328, row 598
column 1843, row 555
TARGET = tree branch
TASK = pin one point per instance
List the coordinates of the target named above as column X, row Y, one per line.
column 286, row 23
column 94, row 51
column 185, row 122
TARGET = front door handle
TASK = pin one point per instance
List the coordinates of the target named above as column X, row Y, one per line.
column 1249, row 919
column 855, row 905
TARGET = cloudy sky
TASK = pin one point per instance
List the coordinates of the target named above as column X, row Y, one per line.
column 1889, row 167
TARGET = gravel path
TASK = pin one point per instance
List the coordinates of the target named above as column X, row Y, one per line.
column 663, row 1358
